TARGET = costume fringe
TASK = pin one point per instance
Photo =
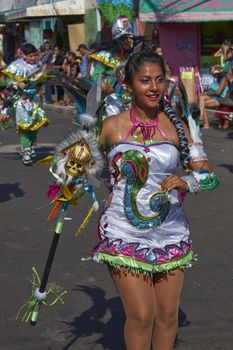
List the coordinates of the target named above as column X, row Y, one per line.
column 54, row 290
column 45, row 161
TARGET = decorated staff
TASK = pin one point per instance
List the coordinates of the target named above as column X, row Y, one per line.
column 76, row 166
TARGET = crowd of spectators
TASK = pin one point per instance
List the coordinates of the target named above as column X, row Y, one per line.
column 54, row 58
column 65, row 63
column 77, row 65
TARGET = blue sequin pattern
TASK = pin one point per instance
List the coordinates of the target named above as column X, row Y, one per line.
column 135, row 168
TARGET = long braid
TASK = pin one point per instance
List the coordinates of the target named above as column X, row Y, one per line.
column 184, row 150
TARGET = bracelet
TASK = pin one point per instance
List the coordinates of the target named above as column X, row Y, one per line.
column 202, row 180
column 197, row 153
column 193, row 185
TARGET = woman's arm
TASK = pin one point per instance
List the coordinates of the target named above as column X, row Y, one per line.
column 199, row 176
column 218, row 53
column 108, row 132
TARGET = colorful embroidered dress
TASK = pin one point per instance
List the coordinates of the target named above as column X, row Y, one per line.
column 143, row 228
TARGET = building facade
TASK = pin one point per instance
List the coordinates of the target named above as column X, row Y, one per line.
column 190, row 31
column 66, row 23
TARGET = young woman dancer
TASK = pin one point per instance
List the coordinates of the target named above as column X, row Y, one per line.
column 143, row 232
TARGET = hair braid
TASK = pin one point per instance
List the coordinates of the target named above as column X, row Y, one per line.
column 184, row 150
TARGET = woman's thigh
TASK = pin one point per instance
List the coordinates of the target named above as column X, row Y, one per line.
column 136, row 292
column 211, row 103
column 167, row 289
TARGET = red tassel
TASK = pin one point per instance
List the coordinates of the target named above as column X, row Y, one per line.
column 54, row 210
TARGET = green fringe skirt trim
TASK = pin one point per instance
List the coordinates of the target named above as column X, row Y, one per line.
column 147, row 268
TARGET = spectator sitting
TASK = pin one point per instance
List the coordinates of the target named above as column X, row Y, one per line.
column 210, row 99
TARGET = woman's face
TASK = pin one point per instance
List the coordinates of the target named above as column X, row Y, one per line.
column 148, row 85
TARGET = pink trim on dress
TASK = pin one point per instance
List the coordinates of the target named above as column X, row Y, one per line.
column 148, row 130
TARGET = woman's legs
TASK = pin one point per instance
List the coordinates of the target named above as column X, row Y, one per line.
column 167, row 289
column 206, row 102
column 151, row 308
column 138, row 298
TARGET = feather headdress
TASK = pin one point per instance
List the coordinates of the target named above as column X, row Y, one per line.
column 112, row 9
column 118, row 13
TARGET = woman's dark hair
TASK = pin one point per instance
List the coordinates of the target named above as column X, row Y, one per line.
column 133, row 64
column 28, row 49
column 184, row 150
column 137, row 60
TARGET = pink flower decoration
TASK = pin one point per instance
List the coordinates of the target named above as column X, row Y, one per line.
column 53, row 191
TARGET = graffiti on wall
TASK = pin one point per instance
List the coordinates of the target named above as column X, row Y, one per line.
column 185, row 43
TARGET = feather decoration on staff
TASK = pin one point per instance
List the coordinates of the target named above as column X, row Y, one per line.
column 77, row 89
column 88, row 100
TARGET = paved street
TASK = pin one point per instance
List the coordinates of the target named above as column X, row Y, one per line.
column 92, row 317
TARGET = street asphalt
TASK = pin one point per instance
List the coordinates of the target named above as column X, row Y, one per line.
column 92, row 317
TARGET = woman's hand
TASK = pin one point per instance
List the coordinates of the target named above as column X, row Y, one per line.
column 174, row 182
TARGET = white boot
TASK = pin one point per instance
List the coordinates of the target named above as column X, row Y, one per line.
column 26, row 157
column 33, row 151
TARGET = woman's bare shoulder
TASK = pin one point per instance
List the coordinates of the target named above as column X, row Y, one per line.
column 111, row 128
column 114, row 120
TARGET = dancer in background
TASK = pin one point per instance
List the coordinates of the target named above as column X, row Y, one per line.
column 110, row 65
column 111, row 57
column 23, row 79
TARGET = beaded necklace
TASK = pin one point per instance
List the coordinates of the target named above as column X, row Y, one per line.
column 147, row 129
